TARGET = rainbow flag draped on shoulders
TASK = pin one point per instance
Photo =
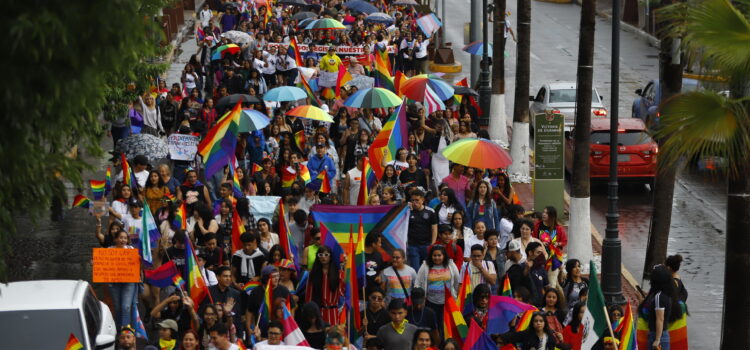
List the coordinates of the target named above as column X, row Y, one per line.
column 678, row 336
column 393, row 136
column 217, row 148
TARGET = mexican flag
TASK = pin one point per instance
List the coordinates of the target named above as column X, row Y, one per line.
column 594, row 321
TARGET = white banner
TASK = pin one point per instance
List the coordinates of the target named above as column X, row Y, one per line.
column 328, row 79
column 182, row 147
column 323, row 49
column 263, row 206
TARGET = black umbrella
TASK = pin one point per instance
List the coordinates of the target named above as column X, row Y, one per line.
column 463, row 90
column 361, row 6
column 303, row 15
column 231, row 100
column 315, row 7
column 293, row 2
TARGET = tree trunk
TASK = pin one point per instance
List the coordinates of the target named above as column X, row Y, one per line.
column 670, row 71
column 520, row 141
column 735, row 323
column 498, row 121
column 579, row 246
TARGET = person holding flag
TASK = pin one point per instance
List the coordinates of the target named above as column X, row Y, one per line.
column 326, row 287
column 321, row 162
column 537, row 336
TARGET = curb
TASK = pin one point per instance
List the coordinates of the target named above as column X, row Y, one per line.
column 445, row 68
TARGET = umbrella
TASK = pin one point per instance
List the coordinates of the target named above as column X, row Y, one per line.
column 463, row 90
column 285, row 93
column 305, row 22
column 311, row 112
column 231, row 100
column 361, row 6
column 303, row 15
column 477, row 153
column 293, row 2
column 315, row 7
column 325, row 23
column 406, row 2
column 415, row 87
column 223, row 50
column 379, row 17
column 238, row 37
column 477, row 48
column 148, row 145
column 252, row 120
column 373, row 98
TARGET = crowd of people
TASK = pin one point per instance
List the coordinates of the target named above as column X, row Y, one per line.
column 463, row 220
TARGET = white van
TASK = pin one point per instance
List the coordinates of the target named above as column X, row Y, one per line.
column 43, row 314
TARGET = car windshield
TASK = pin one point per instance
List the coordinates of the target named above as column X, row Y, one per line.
column 21, row 329
column 569, row 95
column 627, row 138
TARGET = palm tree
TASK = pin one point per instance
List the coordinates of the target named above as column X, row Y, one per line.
column 519, row 148
column 579, row 246
column 704, row 123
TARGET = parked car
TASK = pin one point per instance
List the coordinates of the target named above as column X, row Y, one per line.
column 43, row 314
column 561, row 98
column 648, row 98
column 636, row 153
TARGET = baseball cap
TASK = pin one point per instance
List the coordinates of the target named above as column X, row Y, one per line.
column 418, row 295
column 514, row 246
column 168, row 324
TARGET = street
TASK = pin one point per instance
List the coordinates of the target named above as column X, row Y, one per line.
column 698, row 218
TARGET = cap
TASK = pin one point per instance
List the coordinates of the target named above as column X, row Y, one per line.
column 140, row 160
column 514, row 246
column 610, row 340
column 268, row 270
column 168, row 324
column 417, row 295
column 285, row 264
column 445, row 228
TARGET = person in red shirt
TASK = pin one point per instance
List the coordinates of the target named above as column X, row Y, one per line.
column 455, row 252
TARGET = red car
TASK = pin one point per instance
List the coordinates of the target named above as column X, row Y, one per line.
column 636, row 155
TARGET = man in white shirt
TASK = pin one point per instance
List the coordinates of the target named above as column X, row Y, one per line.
column 205, row 16
column 140, row 163
column 269, row 67
column 275, row 334
column 220, row 337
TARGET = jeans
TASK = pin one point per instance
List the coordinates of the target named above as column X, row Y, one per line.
column 123, row 298
column 415, row 254
column 664, row 339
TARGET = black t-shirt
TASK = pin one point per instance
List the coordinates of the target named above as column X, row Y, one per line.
column 176, row 255
column 655, row 302
column 374, row 264
column 420, row 226
column 424, row 318
column 215, row 257
column 257, row 265
column 416, row 178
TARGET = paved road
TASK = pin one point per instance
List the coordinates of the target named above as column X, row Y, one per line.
column 700, row 203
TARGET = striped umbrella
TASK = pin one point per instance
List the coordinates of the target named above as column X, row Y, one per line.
column 477, row 153
column 416, row 87
column 325, row 23
column 311, row 112
column 373, row 98
column 477, row 48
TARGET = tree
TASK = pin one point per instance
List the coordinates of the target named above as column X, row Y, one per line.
column 64, row 60
column 704, row 123
column 519, row 148
column 580, row 215
column 670, row 82
column 498, row 127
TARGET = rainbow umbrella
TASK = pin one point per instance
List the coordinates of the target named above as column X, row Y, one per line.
column 477, row 48
column 312, row 113
column 252, row 120
column 415, row 87
column 284, row 94
column 325, row 23
column 373, row 98
column 477, row 153
column 223, row 50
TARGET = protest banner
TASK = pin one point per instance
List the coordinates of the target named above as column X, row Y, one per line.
column 116, row 265
column 182, row 147
column 323, row 49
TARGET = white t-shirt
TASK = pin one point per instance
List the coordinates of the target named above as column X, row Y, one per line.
column 141, row 177
column 421, row 49
column 355, row 176
column 205, row 17
column 470, row 241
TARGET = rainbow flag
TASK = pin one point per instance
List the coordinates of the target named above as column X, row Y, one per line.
column 108, row 181
column 502, row 311
column 256, row 168
column 399, row 79
column 128, row 177
column 97, row 188
column 237, row 230
column 555, row 258
column 304, row 173
column 352, row 282
column 178, row 282
column 342, row 78
column 328, row 240
column 524, row 320
column 300, row 140
column 288, row 175
column 196, row 286
column 81, row 201
column 454, row 324
column 293, row 51
column 507, row 292
column 364, row 192
column 382, row 71
column 340, row 218
column 464, row 300
column 73, row 343
column 267, row 15
column 241, row 344
column 162, row 276
column 325, row 182
column 217, row 148
column 285, row 238
column 677, row 330
column 249, row 286
column 308, row 90
column 626, row 329
column 180, row 217
column 478, row 339
column 267, row 306
column 327, row 93
column 236, row 187
column 393, row 136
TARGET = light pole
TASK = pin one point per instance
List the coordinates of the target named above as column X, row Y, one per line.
column 484, row 75
column 611, row 246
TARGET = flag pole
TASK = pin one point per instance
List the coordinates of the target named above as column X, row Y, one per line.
column 609, row 323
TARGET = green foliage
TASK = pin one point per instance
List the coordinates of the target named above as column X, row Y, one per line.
column 64, row 61
column 723, row 32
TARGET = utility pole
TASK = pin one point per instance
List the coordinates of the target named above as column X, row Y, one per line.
column 484, row 75
column 498, row 121
column 519, row 147
column 474, row 35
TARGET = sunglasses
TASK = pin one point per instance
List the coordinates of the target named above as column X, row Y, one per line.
column 323, row 255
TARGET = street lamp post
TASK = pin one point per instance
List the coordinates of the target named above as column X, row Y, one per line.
column 484, row 76
column 611, row 246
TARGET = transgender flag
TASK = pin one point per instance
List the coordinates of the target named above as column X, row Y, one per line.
column 429, row 24
column 292, row 334
column 432, row 102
